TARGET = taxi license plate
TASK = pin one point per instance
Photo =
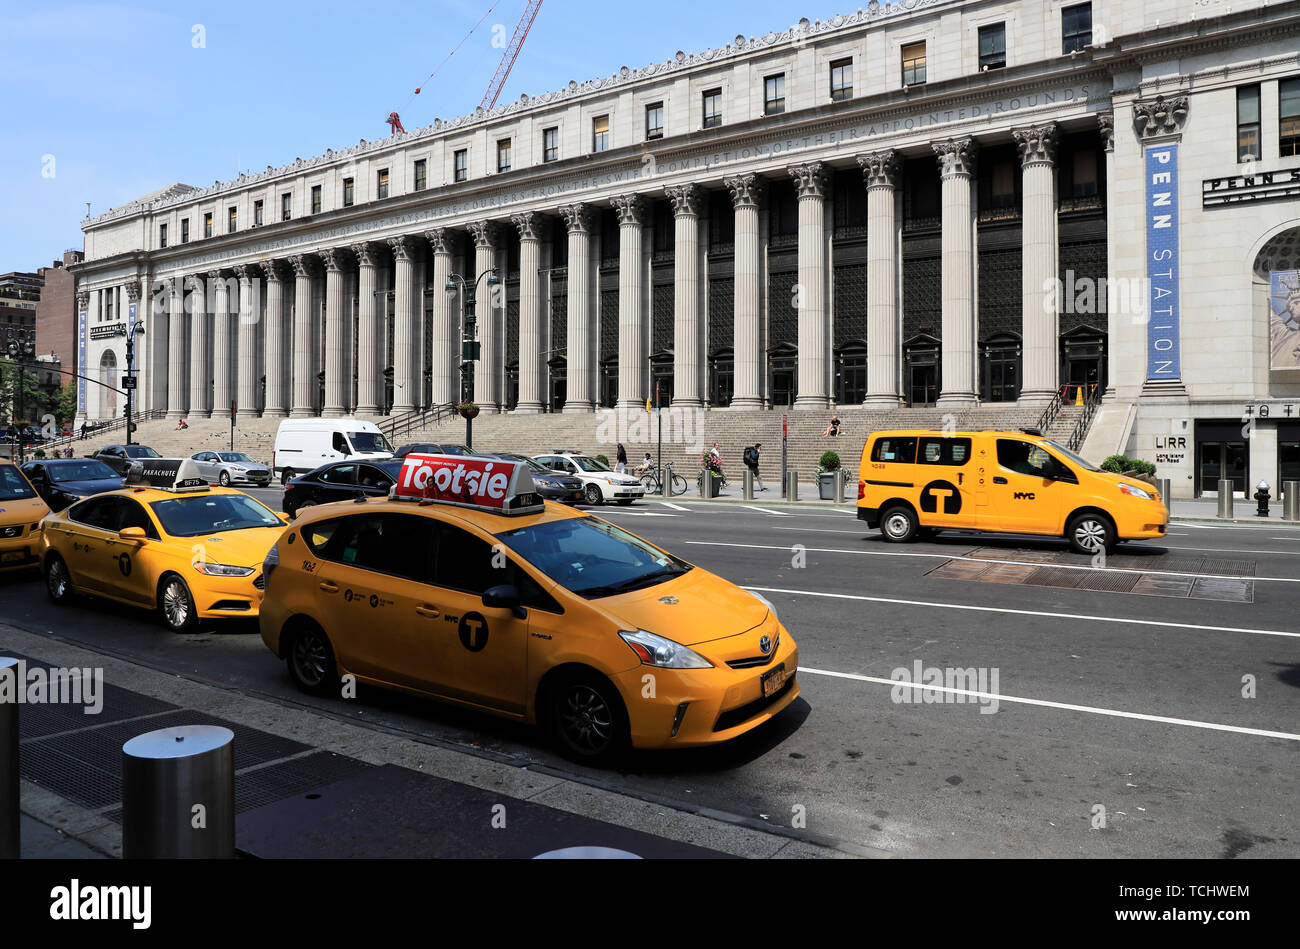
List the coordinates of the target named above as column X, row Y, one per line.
column 773, row 680
column 14, row 556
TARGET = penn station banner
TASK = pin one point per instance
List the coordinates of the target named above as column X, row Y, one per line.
column 1284, row 319
column 81, row 362
column 1163, row 361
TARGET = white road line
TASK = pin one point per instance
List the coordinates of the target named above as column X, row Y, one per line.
column 675, row 507
column 1044, row 703
column 1014, row 563
column 627, row 513
column 1007, row 610
column 765, row 510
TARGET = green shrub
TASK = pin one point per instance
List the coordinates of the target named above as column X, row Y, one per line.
column 829, row 461
column 603, row 460
column 1141, row 467
column 1117, row 464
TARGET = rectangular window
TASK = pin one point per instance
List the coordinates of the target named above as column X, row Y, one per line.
column 1084, row 180
column 503, row 155
column 162, row 235
column 774, row 94
column 1248, row 123
column 550, row 144
column 898, row 450
column 712, row 108
column 349, row 192
column 286, row 206
column 232, row 220
column 315, row 199
column 943, row 451
column 185, row 230
column 207, row 224
column 257, row 214
column 654, row 120
column 1288, row 126
column 421, row 174
column 841, row 80
column 600, row 133
column 993, row 46
column 914, row 63
column 460, row 164
column 1076, row 27
column 381, row 183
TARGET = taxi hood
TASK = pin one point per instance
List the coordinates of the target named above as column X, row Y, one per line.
column 702, row 607
column 22, row 510
column 243, row 548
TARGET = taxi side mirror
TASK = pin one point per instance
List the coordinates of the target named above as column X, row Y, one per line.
column 132, row 533
column 505, row 597
column 284, row 517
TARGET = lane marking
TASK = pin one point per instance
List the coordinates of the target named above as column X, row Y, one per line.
column 765, row 510
column 1043, row 613
column 1066, row 706
column 628, row 513
column 1016, row 563
column 675, row 507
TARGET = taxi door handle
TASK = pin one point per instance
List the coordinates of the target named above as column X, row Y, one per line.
column 999, row 480
column 428, row 611
column 329, row 587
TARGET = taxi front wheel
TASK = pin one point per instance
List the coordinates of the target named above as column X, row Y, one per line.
column 1089, row 533
column 898, row 525
column 58, row 582
column 586, row 718
column 176, row 605
column 310, row 658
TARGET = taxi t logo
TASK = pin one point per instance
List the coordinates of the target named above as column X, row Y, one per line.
column 473, row 629
column 936, row 490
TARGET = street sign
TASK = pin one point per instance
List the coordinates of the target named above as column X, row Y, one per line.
column 470, row 349
column 128, row 382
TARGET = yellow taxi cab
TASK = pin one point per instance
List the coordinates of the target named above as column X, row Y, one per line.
column 463, row 585
column 173, row 544
column 916, row 482
column 21, row 510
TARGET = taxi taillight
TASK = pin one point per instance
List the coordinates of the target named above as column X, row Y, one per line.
column 862, row 490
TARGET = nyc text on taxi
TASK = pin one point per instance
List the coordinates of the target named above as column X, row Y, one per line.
column 915, row 482
column 188, row 550
column 463, row 585
column 21, row 510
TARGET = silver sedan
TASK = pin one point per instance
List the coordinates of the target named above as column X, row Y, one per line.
column 230, row 467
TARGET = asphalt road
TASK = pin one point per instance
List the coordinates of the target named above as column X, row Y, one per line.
column 1125, row 702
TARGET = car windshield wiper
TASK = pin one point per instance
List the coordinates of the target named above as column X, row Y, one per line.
column 633, row 583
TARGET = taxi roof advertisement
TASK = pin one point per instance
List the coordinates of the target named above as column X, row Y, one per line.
column 487, row 483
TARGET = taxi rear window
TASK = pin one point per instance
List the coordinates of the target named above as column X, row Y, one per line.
column 943, row 451
column 901, row 450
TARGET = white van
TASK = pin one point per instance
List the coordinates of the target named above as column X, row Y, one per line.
column 304, row 444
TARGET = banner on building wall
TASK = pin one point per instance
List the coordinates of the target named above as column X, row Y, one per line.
column 1163, row 360
column 1284, row 319
column 81, row 362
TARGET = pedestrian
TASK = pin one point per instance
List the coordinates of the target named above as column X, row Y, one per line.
column 621, row 459
column 833, row 429
column 751, row 462
column 84, row 429
column 181, row 426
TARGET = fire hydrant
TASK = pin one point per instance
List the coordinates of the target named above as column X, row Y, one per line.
column 1262, row 496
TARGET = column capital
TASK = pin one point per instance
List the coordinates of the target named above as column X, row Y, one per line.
column 1037, row 143
column 630, row 208
column 881, row 169
column 304, row 265
column 1106, row 125
column 171, row 284
column 1159, row 117
column 132, row 291
column 811, row 179
column 484, row 234
column 529, row 224
column 747, row 190
column 336, row 259
column 83, row 298
column 577, row 218
column 956, row 157
column 196, row 282
column 441, row 239
column 366, row 253
column 247, row 272
column 275, row 270
column 403, row 248
column 687, row 200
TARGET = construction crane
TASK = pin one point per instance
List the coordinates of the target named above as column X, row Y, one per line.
column 511, row 54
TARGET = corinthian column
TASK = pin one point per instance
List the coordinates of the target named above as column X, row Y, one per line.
column 250, row 282
column 276, row 402
column 198, row 348
column 446, row 319
column 530, row 312
column 631, row 209
column 1038, row 314
column 222, row 393
column 368, row 331
column 812, row 182
column 957, row 169
column 490, row 300
column 304, row 385
column 747, row 197
column 880, row 171
column 687, row 378
column 338, row 334
column 578, row 218
column 406, row 327
column 176, row 403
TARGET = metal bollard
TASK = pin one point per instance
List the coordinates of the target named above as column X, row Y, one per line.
column 666, row 482
column 10, row 845
column 1225, row 499
column 749, row 485
column 792, row 486
column 839, row 486
column 1164, row 486
column 178, row 794
column 1291, row 500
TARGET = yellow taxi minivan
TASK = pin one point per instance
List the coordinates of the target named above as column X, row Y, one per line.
column 21, row 511
column 914, row 483
column 465, row 586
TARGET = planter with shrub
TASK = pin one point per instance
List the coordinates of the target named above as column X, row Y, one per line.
column 828, row 470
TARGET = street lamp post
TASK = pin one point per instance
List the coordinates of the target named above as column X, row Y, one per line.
column 469, row 349
column 20, row 351
column 131, row 330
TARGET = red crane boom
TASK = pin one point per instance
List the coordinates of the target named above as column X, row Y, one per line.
column 511, row 54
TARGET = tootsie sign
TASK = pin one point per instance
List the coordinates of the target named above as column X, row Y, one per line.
column 486, row 483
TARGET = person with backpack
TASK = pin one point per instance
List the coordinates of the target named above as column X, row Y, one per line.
column 751, row 462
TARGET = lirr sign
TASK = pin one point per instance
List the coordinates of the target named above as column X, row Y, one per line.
column 1162, row 262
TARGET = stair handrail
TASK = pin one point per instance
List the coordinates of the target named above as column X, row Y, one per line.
column 99, row 429
column 1085, row 418
column 416, row 419
column 1052, row 410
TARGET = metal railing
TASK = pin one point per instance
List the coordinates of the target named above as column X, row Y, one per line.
column 100, row 428
column 414, row 421
column 1050, row 413
column 1085, row 419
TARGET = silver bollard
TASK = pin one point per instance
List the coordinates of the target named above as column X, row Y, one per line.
column 749, row 485
column 1225, row 499
column 1291, row 500
column 1165, row 486
column 178, row 794
column 666, row 482
column 10, row 844
column 839, row 486
column 792, row 486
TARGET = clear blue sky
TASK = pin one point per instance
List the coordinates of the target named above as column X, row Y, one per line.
column 116, row 101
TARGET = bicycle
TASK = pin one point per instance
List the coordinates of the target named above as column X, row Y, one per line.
column 653, row 486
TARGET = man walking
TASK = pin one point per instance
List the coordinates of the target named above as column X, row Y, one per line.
column 751, row 462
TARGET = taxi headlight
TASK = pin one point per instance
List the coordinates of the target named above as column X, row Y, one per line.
column 1134, row 490
column 221, row 569
column 771, row 607
column 654, row 650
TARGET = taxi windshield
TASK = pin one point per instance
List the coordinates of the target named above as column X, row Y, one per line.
column 591, row 557
column 212, row 513
column 587, row 463
column 82, row 471
column 234, row 456
column 13, row 485
column 1086, row 466
column 369, row 441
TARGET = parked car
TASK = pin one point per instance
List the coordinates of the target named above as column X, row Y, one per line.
column 432, row 448
column 62, row 481
column 304, row 444
column 340, row 481
column 122, row 458
column 549, row 483
column 599, row 483
column 231, row 467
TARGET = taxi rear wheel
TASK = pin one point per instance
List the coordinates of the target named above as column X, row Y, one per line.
column 58, row 582
column 898, row 525
column 586, row 717
column 310, row 659
column 593, row 495
column 176, row 605
column 1089, row 533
